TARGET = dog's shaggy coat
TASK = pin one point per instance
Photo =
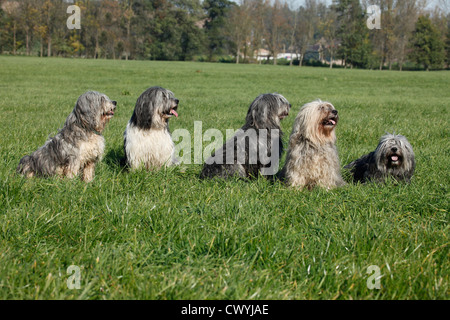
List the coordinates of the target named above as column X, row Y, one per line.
column 393, row 157
column 312, row 158
column 247, row 153
column 78, row 146
column 147, row 139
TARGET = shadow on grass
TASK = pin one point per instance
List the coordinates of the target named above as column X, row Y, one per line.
column 115, row 159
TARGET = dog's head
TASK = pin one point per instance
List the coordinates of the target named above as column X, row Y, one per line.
column 316, row 121
column 266, row 111
column 92, row 111
column 394, row 152
column 154, row 108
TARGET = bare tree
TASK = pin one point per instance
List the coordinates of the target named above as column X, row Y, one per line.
column 12, row 8
column 407, row 12
column 329, row 29
column 292, row 21
column 240, row 26
column 274, row 28
column 128, row 15
column 305, row 32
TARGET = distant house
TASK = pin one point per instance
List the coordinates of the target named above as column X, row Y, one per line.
column 288, row 56
column 263, row 54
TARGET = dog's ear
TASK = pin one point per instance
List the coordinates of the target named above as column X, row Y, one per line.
column 259, row 116
column 103, row 101
column 81, row 112
column 143, row 112
column 409, row 157
column 71, row 119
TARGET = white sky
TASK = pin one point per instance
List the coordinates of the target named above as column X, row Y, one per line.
column 431, row 3
column 443, row 4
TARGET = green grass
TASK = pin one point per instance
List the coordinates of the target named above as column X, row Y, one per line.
column 169, row 235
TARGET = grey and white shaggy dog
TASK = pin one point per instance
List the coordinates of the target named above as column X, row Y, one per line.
column 312, row 157
column 147, row 139
column 78, row 146
column 257, row 145
column 393, row 157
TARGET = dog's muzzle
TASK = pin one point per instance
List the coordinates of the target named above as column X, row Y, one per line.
column 110, row 112
column 331, row 120
column 173, row 110
column 394, row 158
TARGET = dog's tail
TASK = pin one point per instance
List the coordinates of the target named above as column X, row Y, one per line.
column 351, row 165
column 26, row 166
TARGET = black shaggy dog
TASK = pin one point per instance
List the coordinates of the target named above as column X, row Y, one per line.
column 393, row 157
column 257, row 146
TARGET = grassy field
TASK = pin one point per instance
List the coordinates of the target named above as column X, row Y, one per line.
column 169, row 235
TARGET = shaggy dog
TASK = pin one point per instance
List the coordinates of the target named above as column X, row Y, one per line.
column 147, row 139
column 257, row 146
column 312, row 158
column 78, row 145
column 393, row 157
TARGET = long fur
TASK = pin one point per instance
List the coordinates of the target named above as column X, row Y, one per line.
column 393, row 157
column 78, row 146
column 242, row 155
column 312, row 158
column 147, row 139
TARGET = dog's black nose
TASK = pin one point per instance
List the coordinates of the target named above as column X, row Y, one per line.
column 334, row 112
column 114, row 103
column 394, row 149
column 176, row 101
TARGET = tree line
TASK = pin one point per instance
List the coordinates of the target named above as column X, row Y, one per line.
column 248, row 31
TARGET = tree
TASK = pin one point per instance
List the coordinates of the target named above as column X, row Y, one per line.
column 42, row 18
column 384, row 39
column 427, row 45
column 111, row 14
column 12, row 8
column 329, row 28
column 92, row 27
column 355, row 46
column 190, row 36
column 239, row 22
column 403, row 28
column 447, row 41
column 216, row 11
column 28, row 17
column 128, row 15
column 306, row 28
column 274, row 28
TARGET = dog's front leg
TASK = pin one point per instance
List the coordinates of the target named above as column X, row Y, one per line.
column 88, row 172
column 71, row 170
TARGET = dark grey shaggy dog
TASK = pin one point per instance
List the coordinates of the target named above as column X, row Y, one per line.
column 249, row 152
column 393, row 157
column 78, row 145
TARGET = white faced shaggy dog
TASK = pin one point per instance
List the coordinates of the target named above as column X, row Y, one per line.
column 147, row 139
column 312, row 158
